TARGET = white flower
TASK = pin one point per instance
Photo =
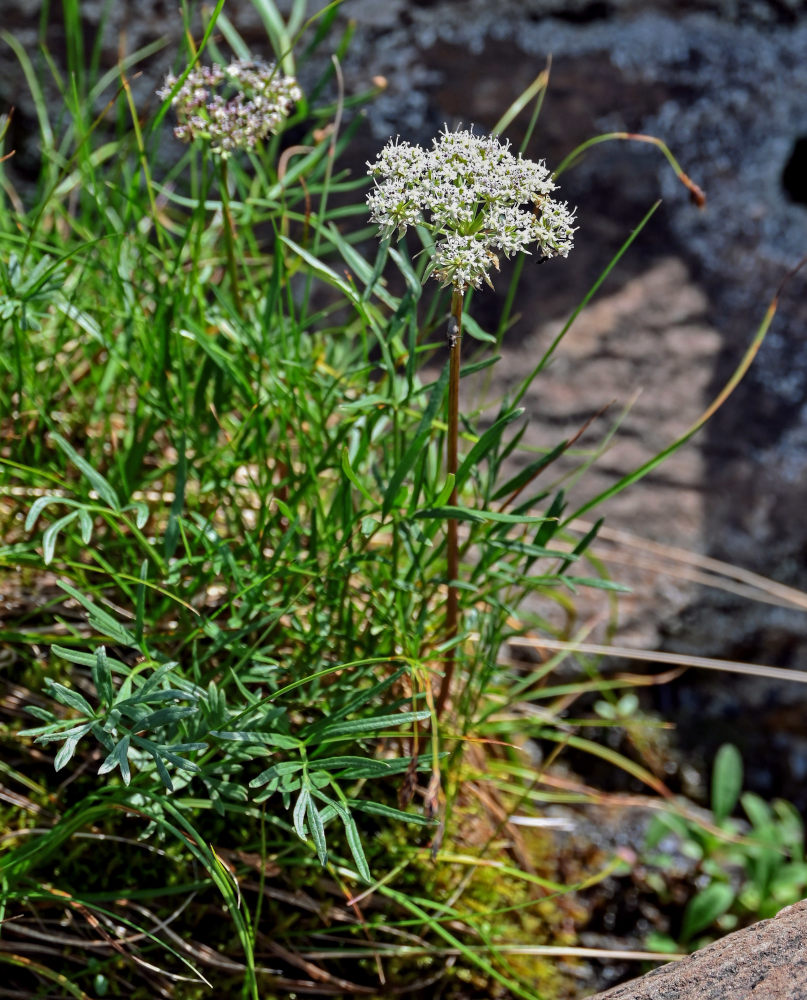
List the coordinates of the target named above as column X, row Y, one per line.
column 256, row 99
column 477, row 199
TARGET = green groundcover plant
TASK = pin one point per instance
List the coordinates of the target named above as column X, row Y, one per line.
column 265, row 566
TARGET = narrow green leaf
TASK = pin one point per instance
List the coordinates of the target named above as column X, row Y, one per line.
column 286, row 767
column 69, row 696
column 757, row 810
column 317, row 828
column 594, row 581
column 51, row 533
column 180, row 762
column 323, row 270
column 413, row 282
column 486, row 443
column 38, row 713
column 99, row 484
column 356, row 849
column 278, row 35
column 141, row 513
column 101, row 619
column 351, row 475
column 66, row 751
column 702, row 910
column 118, row 758
column 371, row 724
column 87, row 659
column 362, row 697
column 150, row 686
column 388, row 812
column 85, row 524
column 727, row 781
column 537, row 86
column 362, row 270
column 468, row 514
column 478, row 366
column 162, row 771
column 446, row 491
column 529, row 472
column 36, row 509
column 171, row 537
column 55, row 731
column 373, row 401
column 528, row 379
column 471, row 327
column 418, row 441
column 140, row 601
column 154, row 750
column 280, row 740
column 354, row 767
column 164, row 716
column 736, row 377
column 298, row 815
column 582, row 545
column 102, row 677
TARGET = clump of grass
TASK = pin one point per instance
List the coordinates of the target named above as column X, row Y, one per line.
column 236, row 603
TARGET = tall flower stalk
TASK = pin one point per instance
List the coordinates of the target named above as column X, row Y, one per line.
column 230, row 107
column 479, row 201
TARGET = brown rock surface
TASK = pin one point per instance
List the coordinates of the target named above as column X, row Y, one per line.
column 648, row 348
column 767, row 961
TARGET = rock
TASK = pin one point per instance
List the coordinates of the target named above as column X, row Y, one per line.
column 767, row 961
column 649, row 344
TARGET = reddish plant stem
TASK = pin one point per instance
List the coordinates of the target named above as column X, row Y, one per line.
column 452, row 543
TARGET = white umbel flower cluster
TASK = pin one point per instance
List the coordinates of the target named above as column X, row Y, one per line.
column 477, row 199
column 234, row 106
